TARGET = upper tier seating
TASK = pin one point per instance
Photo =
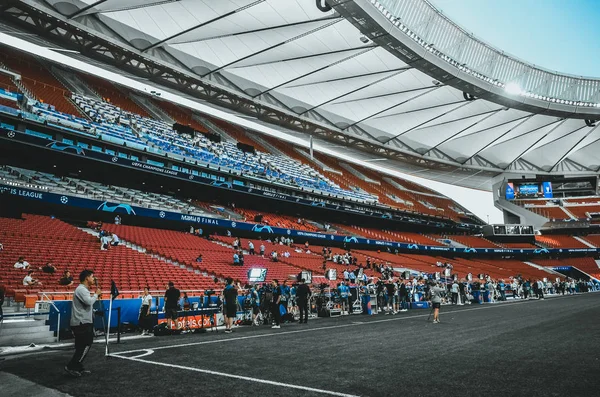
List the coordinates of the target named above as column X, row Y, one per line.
column 111, row 94
column 119, row 119
column 585, row 264
column 593, row 238
column 181, row 115
column 8, row 103
column 402, row 237
column 550, row 212
column 225, row 154
column 473, row 241
column 38, row 80
column 283, row 221
column 518, row 245
column 42, row 239
column 7, row 84
column 237, row 133
column 583, row 211
column 559, row 241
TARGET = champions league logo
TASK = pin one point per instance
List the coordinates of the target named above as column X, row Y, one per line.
column 116, row 208
column 262, row 228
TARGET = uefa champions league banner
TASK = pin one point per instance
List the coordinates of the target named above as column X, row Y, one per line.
column 263, row 230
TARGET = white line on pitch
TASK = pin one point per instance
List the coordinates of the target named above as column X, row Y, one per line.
column 319, row 328
column 246, row 378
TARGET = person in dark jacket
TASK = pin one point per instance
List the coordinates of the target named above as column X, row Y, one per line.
column 303, row 294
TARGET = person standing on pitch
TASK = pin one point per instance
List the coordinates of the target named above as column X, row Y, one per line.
column 303, row 296
column 455, row 290
column 275, row 310
column 231, row 294
column 436, row 301
column 172, row 306
column 343, row 290
column 144, row 318
column 81, row 322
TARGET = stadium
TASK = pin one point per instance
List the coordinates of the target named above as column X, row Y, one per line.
column 290, row 197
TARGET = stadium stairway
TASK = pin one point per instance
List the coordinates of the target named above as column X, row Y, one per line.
column 24, row 330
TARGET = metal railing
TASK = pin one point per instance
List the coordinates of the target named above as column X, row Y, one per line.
column 427, row 26
column 57, row 311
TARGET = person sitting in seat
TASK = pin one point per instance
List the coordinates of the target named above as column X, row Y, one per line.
column 236, row 259
column 114, row 240
column 29, row 281
column 22, row 263
column 262, row 250
column 1, row 247
column 199, row 258
column 48, row 268
column 184, row 302
column 104, row 240
column 66, row 279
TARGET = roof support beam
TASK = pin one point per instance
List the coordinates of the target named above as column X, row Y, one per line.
column 462, row 118
column 333, row 22
column 305, row 56
column 390, row 108
column 150, row 3
column 84, row 9
column 287, row 25
column 356, row 89
column 524, row 120
column 424, row 108
column 370, row 48
column 568, row 152
column 560, row 122
column 387, row 94
column 433, row 118
column 491, row 113
column 240, row 9
column 356, row 76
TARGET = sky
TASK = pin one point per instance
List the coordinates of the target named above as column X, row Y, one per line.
column 559, row 35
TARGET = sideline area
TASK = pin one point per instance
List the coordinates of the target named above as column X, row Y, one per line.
column 358, row 356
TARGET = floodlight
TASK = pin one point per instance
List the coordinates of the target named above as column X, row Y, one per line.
column 513, row 89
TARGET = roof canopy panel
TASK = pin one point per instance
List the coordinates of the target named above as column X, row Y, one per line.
column 322, row 67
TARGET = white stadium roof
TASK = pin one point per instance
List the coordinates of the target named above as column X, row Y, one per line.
column 394, row 73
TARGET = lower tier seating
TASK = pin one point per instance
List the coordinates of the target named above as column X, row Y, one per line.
column 42, row 239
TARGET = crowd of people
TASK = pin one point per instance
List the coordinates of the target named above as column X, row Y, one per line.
column 275, row 303
column 29, row 280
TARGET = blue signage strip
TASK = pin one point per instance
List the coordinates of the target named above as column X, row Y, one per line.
column 121, row 208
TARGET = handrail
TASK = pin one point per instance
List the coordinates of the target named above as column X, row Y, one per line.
column 440, row 35
column 58, row 311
